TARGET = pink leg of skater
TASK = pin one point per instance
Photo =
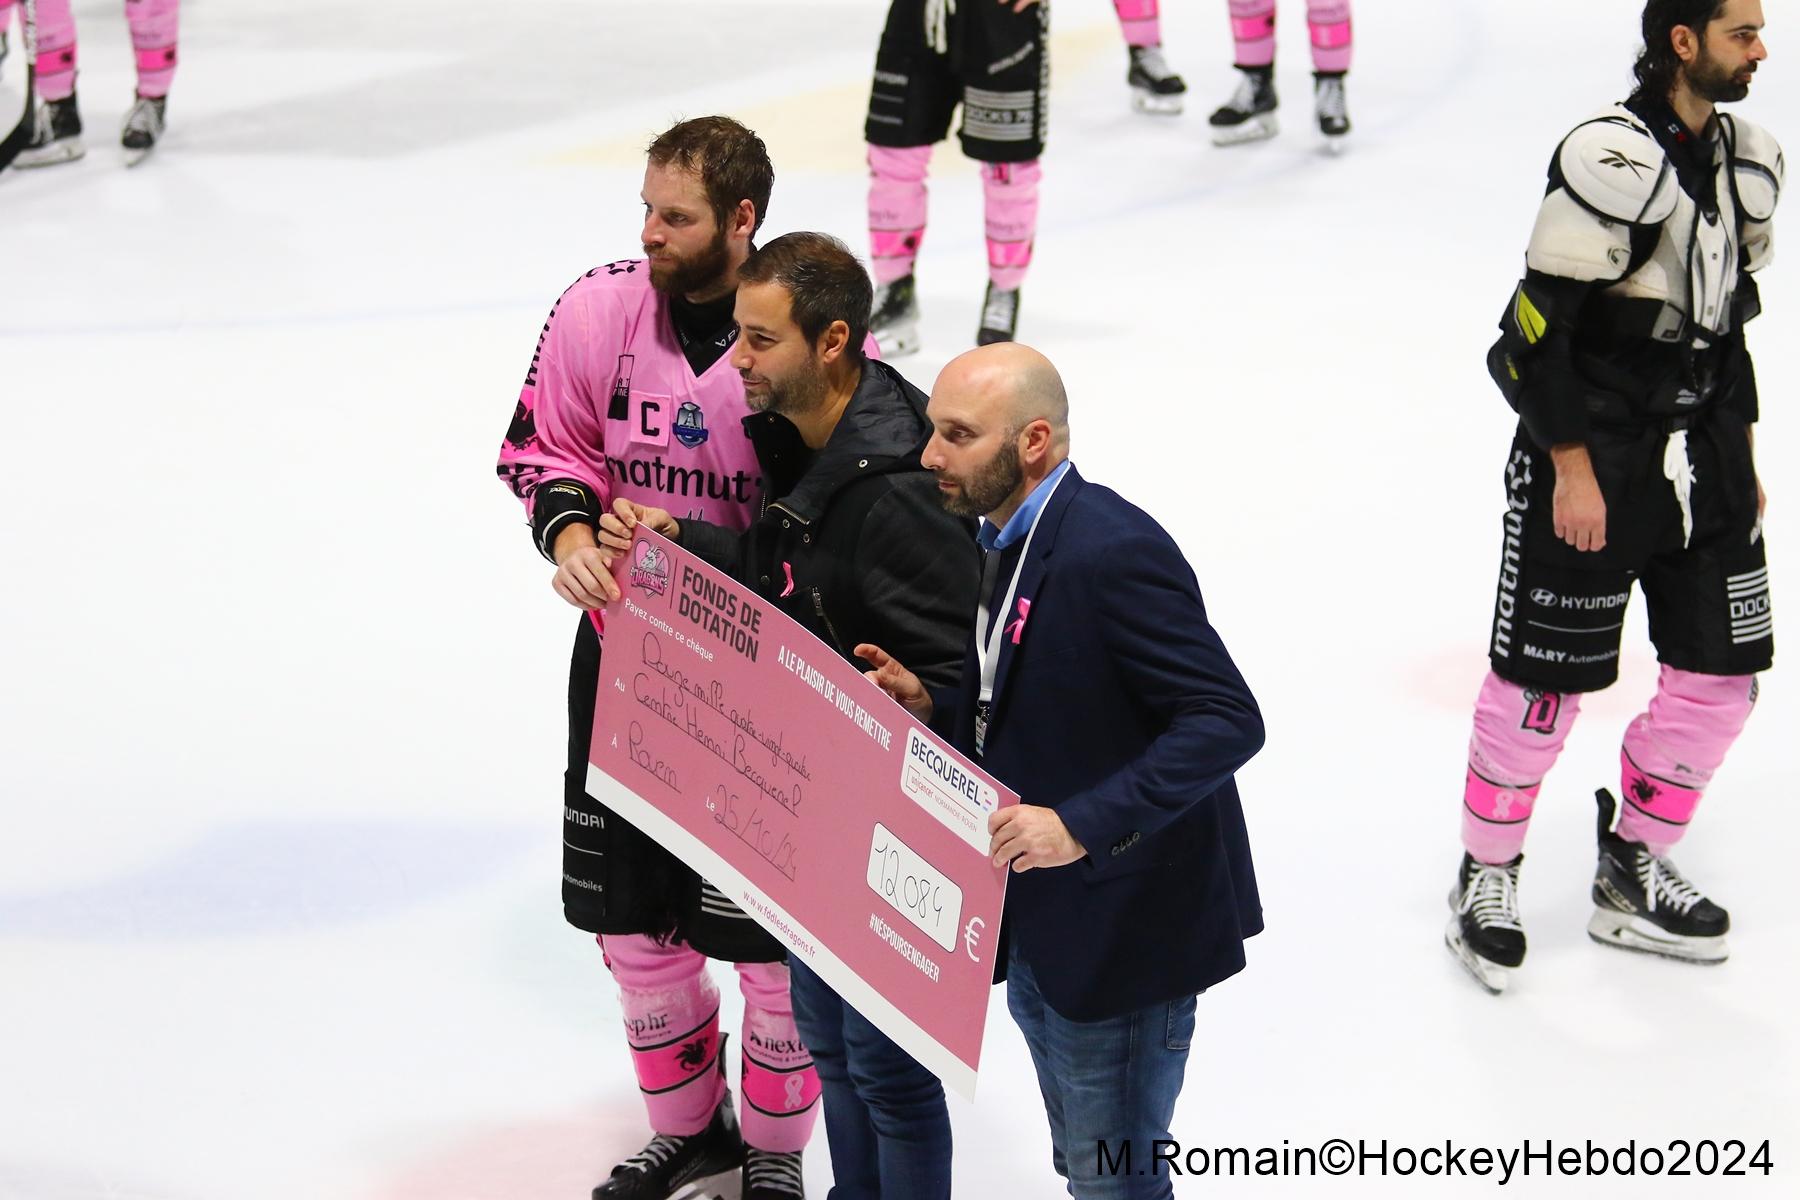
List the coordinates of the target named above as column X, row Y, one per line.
column 780, row 1087
column 1011, row 200
column 153, row 35
column 1140, row 21
column 896, row 209
column 1518, row 734
column 672, row 1026
column 1672, row 749
column 1253, row 32
column 55, row 49
column 1329, row 23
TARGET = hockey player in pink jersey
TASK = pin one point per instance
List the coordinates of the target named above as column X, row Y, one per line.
column 1249, row 115
column 1154, row 87
column 991, row 58
column 631, row 394
column 56, row 135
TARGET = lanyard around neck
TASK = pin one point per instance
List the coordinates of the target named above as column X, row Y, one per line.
column 987, row 645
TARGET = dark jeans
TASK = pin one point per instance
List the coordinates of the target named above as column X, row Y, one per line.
column 885, row 1119
column 1114, row 1081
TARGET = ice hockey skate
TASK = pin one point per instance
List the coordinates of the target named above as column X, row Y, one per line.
column 894, row 319
column 1249, row 116
column 1332, row 111
column 1155, row 88
column 55, row 135
column 772, row 1176
column 143, row 128
column 1641, row 902
column 999, row 316
column 702, row 1167
column 1484, row 931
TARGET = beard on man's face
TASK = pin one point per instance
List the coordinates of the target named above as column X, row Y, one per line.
column 988, row 486
column 673, row 275
column 1715, row 82
column 799, row 393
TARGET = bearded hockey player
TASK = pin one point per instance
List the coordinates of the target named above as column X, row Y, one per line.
column 1623, row 352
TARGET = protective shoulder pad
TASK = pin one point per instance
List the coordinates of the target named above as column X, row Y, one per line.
column 1613, row 167
column 1757, row 167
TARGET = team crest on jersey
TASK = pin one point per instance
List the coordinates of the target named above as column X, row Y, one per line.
column 690, row 425
column 650, row 570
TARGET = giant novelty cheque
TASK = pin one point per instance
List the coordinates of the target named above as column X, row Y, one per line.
column 759, row 757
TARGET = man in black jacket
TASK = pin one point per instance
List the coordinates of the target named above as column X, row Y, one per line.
column 853, row 544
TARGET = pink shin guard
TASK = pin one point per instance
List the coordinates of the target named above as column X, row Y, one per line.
column 1011, row 194
column 1140, row 21
column 1672, row 750
column 780, row 1086
column 672, row 1025
column 896, row 209
column 55, row 49
column 1253, row 32
column 1329, row 23
column 1517, row 737
column 154, row 25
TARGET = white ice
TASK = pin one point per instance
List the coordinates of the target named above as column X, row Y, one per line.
column 281, row 678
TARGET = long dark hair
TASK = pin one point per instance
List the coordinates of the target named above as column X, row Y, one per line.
column 1656, row 66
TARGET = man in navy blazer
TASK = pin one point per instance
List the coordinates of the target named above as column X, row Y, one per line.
column 1095, row 688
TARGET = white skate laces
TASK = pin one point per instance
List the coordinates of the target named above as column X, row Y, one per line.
column 1001, row 306
column 1150, row 59
column 1680, row 472
column 1492, row 894
column 1662, row 882
column 661, row 1149
column 1245, row 98
column 937, row 23
column 779, row 1172
column 1329, row 99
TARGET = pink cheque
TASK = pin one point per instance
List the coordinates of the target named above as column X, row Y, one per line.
column 756, row 755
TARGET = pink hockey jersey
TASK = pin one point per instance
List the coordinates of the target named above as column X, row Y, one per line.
column 611, row 402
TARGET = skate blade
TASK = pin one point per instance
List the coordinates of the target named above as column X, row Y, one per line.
column 1334, row 145
column 67, row 150
column 1256, row 129
column 1626, row 932
column 725, row 1185
column 134, row 157
column 897, row 341
column 1155, row 105
column 1491, row 976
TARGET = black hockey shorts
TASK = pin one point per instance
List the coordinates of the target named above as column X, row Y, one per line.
column 997, row 67
column 615, row 879
column 1559, row 613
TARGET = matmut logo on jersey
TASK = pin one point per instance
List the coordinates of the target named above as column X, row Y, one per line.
column 690, row 425
column 650, row 570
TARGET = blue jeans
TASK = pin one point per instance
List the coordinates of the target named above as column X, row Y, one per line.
column 1111, row 1082
column 885, row 1119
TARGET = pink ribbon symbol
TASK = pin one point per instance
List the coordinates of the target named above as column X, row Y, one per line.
column 789, row 589
column 1017, row 628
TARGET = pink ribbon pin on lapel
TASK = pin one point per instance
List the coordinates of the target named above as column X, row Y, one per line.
column 1017, row 628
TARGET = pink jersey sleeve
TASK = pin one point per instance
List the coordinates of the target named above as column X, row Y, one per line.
column 557, row 429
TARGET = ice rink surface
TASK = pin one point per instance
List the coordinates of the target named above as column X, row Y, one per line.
column 281, row 677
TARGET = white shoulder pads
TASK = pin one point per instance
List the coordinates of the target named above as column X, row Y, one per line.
column 1757, row 168
column 1570, row 241
column 1613, row 167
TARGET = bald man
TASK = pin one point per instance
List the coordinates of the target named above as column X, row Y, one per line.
column 1093, row 686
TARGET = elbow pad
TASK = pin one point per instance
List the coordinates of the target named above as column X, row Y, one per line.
column 554, row 505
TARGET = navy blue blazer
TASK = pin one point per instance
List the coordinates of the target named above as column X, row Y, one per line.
column 1119, row 708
